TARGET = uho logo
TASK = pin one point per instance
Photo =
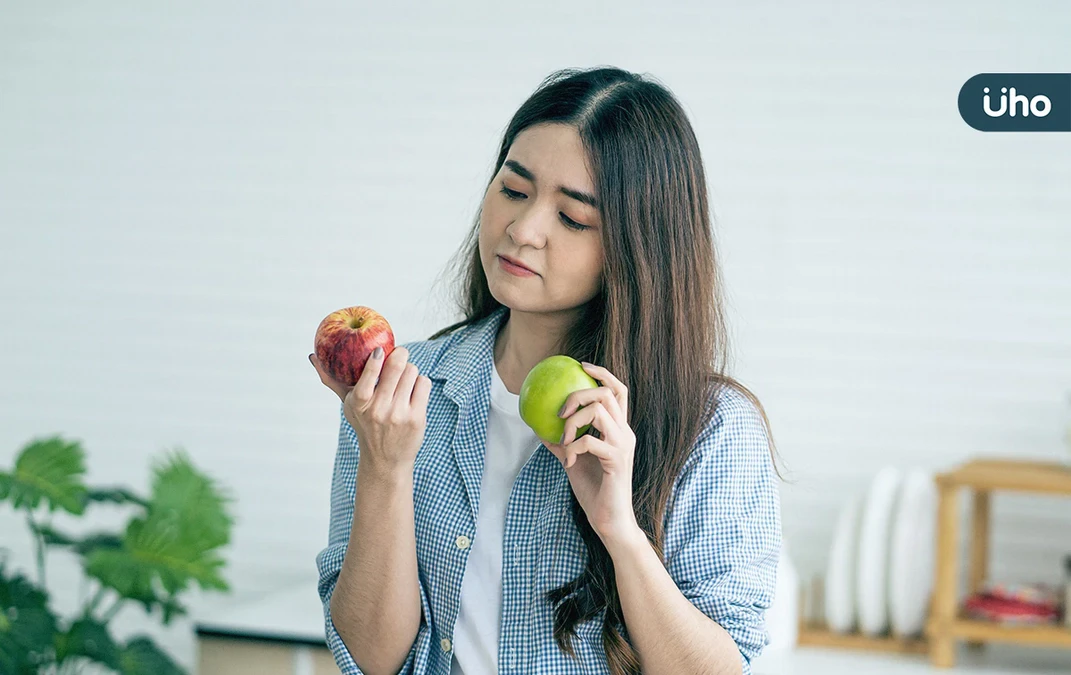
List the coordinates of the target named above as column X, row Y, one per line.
column 1039, row 106
column 1017, row 102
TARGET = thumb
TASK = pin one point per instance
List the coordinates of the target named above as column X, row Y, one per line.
column 560, row 452
column 334, row 385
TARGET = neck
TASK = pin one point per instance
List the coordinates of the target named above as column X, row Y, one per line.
column 527, row 338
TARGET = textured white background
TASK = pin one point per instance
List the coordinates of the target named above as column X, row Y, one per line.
column 186, row 191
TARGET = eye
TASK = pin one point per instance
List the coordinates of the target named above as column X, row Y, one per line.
column 513, row 195
column 572, row 224
column 510, row 194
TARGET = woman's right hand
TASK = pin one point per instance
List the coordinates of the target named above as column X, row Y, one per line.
column 390, row 415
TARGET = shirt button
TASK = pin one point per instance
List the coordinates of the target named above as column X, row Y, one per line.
column 445, row 644
column 462, row 541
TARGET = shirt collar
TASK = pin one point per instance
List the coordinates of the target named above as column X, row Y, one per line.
column 467, row 363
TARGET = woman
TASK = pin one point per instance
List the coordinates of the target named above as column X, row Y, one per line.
column 465, row 544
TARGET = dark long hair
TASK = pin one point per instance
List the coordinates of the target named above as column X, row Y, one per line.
column 658, row 323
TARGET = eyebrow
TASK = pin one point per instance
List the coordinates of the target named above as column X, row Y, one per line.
column 523, row 172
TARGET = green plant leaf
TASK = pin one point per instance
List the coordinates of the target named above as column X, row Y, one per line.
column 171, row 608
column 120, row 570
column 153, row 553
column 48, row 469
column 88, row 639
column 53, row 537
column 27, row 625
column 142, row 657
column 195, row 501
column 115, row 496
column 173, row 545
column 100, row 540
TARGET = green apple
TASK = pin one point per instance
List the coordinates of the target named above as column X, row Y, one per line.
column 545, row 389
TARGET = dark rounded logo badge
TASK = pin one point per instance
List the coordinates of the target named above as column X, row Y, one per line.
column 1017, row 102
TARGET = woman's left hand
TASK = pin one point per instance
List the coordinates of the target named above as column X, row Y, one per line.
column 600, row 469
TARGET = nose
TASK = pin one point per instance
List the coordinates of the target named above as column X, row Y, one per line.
column 530, row 228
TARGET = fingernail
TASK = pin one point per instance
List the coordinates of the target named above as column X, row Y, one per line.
column 561, row 410
column 377, row 353
column 585, row 363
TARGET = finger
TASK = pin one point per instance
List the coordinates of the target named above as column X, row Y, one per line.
column 592, row 446
column 607, row 378
column 555, row 449
column 393, row 366
column 421, row 392
column 405, row 384
column 366, row 383
column 580, row 418
column 564, row 455
column 585, row 397
column 609, row 430
column 600, row 420
column 331, row 382
column 572, row 425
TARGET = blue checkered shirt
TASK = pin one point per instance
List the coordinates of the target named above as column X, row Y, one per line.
column 722, row 524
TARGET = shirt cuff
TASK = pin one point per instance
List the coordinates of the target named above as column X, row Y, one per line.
column 343, row 658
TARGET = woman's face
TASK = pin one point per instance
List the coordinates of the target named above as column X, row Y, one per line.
column 552, row 232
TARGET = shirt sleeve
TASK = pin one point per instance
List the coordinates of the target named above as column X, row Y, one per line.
column 723, row 528
column 329, row 560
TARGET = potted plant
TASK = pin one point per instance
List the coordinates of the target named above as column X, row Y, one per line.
column 171, row 540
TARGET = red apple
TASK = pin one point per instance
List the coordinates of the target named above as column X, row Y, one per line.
column 346, row 338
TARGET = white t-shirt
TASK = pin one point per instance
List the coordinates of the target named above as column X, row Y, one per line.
column 510, row 442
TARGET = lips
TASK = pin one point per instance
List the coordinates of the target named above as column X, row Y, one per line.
column 518, row 263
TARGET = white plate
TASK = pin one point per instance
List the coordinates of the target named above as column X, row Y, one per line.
column 783, row 616
column 911, row 554
column 872, row 565
column 840, row 573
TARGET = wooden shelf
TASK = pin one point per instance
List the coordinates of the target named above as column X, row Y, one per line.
column 982, row 478
column 1051, row 635
column 813, row 631
column 1012, row 475
column 821, row 636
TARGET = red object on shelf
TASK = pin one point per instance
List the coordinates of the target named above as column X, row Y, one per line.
column 1035, row 594
column 1005, row 610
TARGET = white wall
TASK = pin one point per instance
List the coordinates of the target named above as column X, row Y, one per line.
column 185, row 191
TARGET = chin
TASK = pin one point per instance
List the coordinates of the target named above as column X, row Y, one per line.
column 508, row 300
column 503, row 298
